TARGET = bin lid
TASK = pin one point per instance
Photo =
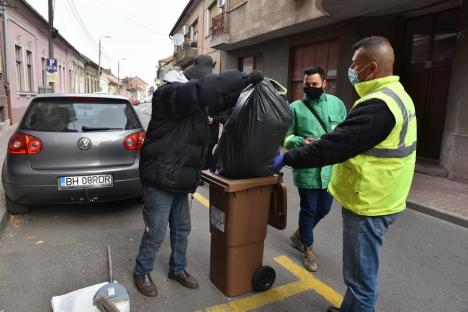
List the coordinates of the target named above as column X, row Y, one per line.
column 231, row 186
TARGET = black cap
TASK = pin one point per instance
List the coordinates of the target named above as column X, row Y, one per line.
column 202, row 65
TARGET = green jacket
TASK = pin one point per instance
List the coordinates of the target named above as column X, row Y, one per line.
column 304, row 125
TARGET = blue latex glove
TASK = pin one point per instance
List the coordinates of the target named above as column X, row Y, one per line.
column 277, row 163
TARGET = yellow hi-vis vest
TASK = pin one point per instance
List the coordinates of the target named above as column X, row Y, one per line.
column 378, row 181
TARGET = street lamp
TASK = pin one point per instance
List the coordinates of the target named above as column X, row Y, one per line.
column 99, row 66
column 118, row 74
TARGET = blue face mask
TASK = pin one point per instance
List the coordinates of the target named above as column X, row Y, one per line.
column 353, row 75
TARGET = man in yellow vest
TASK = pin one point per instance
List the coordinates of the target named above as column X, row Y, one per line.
column 374, row 150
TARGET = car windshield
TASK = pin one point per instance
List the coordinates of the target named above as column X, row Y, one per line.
column 74, row 116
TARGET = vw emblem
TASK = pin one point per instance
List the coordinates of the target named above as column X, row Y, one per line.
column 84, row 144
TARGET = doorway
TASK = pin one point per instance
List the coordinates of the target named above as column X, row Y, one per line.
column 323, row 54
column 430, row 48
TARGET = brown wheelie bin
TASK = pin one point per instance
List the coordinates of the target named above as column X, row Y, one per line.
column 239, row 216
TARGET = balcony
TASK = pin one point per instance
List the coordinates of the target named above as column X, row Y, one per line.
column 184, row 54
column 219, row 31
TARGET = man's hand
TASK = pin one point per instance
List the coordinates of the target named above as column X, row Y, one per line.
column 277, row 163
column 307, row 141
column 210, row 120
column 255, row 77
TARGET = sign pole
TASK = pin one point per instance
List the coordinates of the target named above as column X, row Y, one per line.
column 51, row 43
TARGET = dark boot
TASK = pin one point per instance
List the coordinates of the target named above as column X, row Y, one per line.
column 145, row 285
column 184, row 278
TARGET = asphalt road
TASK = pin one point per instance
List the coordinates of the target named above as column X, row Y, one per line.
column 55, row 250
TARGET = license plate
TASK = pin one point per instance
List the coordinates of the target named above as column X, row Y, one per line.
column 84, row 182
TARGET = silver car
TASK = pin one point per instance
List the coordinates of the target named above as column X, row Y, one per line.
column 73, row 148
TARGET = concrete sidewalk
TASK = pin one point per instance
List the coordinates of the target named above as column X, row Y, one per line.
column 5, row 132
column 440, row 197
column 435, row 196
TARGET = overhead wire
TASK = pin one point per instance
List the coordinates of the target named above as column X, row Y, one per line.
column 134, row 21
column 85, row 31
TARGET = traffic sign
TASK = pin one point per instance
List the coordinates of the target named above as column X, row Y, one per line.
column 51, row 69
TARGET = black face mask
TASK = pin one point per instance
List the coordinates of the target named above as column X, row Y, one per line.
column 313, row 93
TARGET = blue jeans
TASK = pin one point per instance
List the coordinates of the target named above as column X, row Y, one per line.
column 161, row 207
column 315, row 204
column 362, row 241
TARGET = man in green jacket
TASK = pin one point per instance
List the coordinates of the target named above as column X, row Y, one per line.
column 314, row 115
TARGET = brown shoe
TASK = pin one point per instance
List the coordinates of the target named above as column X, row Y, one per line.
column 145, row 285
column 296, row 241
column 184, row 278
column 310, row 261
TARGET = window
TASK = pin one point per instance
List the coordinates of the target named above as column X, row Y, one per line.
column 44, row 75
column 79, row 116
column 29, row 71
column 247, row 64
column 236, row 3
column 64, row 77
column 19, row 67
column 194, row 32
column 70, row 81
column 60, row 77
column 209, row 14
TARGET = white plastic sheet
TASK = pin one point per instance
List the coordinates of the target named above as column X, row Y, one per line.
column 81, row 300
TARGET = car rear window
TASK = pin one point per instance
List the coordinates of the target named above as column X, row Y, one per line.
column 76, row 116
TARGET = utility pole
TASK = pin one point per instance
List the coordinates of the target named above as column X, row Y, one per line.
column 99, row 65
column 118, row 74
column 51, row 30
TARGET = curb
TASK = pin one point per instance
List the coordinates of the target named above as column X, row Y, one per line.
column 438, row 213
column 4, row 216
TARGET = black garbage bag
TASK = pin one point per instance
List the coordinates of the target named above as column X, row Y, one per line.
column 254, row 132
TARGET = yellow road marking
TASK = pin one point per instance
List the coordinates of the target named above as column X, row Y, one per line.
column 306, row 281
column 202, row 199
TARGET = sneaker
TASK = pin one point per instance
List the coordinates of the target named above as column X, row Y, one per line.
column 296, row 241
column 310, row 261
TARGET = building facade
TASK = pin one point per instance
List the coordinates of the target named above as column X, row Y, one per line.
column 195, row 26
column 137, row 87
column 26, row 50
column 281, row 38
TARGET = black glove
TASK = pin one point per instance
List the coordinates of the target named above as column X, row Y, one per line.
column 254, row 77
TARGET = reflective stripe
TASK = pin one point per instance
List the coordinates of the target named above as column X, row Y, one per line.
column 399, row 152
column 402, row 150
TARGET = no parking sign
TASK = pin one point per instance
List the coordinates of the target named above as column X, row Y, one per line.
column 51, row 69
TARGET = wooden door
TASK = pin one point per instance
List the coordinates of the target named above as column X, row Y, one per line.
column 429, row 51
column 323, row 54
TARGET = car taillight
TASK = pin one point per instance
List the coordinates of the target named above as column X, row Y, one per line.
column 134, row 141
column 22, row 144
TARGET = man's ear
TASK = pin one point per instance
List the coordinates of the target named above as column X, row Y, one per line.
column 324, row 84
column 373, row 68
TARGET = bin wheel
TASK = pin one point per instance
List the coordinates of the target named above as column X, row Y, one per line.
column 263, row 278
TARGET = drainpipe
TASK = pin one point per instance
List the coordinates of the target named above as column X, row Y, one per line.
column 5, row 65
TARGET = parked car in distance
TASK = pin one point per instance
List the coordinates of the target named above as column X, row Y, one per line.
column 134, row 101
column 73, row 148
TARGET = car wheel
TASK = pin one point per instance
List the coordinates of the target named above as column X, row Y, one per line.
column 15, row 208
column 140, row 200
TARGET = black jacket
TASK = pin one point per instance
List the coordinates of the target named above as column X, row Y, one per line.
column 367, row 125
column 177, row 138
column 220, row 118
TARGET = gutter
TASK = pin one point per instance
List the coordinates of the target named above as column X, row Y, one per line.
column 4, row 34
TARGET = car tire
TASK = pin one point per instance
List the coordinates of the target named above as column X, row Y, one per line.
column 140, row 200
column 14, row 208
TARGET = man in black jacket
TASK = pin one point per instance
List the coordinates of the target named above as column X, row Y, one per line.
column 172, row 158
